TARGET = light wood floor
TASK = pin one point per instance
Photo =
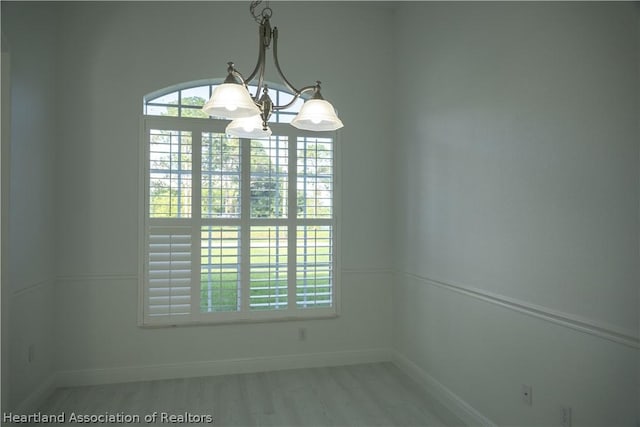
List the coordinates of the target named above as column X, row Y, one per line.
column 376, row 394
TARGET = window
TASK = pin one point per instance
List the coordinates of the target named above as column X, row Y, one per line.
column 188, row 102
column 234, row 229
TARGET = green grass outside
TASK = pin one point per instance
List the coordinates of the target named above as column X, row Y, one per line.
column 223, row 281
column 224, row 289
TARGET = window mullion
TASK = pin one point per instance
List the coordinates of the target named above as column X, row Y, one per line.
column 196, row 215
column 144, row 224
column 245, row 223
column 292, row 221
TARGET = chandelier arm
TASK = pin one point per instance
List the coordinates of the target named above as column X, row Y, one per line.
column 296, row 95
column 239, row 76
column 244, row 83
column 260, row 65
column 260, row 81
column 277, row 64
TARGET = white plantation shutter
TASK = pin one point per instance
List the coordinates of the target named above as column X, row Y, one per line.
column 169, row 273
column 236, row 229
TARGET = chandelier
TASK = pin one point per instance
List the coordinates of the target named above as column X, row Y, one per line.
column 250, row 114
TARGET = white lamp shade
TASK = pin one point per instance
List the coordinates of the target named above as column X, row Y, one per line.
column 317, row 115
column 248, row 127
column 231, row 101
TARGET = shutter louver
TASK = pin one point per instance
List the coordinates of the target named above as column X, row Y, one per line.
column 169, row 273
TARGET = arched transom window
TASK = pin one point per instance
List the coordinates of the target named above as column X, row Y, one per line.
column 187, row 101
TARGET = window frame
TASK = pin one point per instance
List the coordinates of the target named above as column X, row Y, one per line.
column 200, row 126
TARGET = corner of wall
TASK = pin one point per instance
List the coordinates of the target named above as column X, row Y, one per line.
column 5, row 164
column 637, row 4
column 28, row 199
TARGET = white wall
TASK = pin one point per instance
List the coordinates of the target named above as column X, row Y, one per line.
column 30, row 31
column 111, row 55
column 517, row 194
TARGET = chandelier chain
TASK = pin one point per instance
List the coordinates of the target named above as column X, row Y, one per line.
column 266, row 11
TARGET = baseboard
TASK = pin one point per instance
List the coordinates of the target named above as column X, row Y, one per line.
column 38, row 396
column 454, row 403
column 219, row 367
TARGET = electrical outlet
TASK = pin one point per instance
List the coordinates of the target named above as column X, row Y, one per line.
column 302, row 334
column 566, row 416
column 527, row 394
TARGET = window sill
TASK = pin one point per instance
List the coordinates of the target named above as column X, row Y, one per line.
column 225, row 319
